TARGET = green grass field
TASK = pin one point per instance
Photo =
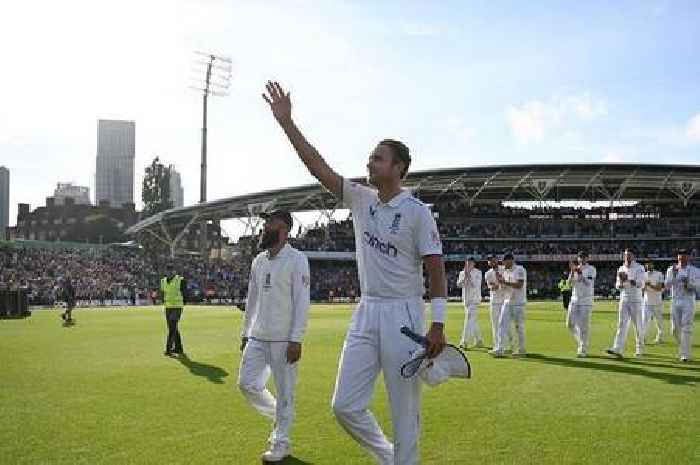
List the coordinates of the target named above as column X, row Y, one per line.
column 102, row 392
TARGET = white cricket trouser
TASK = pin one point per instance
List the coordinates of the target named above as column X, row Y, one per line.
column 373, row 343
column 682, row 322
column 629, row 311
column 653, row 312
column 259, row 359
column 471, row 324
column 495, row 309
column 516, row 314
column 578, row 320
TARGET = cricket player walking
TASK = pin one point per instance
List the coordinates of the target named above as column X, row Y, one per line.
column 514, row 280
column 630, row 281
column 578, row 319
column 497, row 294
column 684, row 281
column 273, row 329
column 395, row 236
column 653, row 302
column 469, row 280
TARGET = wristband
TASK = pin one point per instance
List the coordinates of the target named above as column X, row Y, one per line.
column 438, row 309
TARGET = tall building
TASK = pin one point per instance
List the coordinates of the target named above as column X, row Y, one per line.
column 116, row 145
column 4, row 200
column 176, row 191
column 79, row 194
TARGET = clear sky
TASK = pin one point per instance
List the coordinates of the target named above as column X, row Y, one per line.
column 462, row 83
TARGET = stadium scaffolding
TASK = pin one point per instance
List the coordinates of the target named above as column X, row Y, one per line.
column 482, row 185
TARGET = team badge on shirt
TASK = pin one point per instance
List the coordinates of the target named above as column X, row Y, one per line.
column 306, row 280
column 394, row 228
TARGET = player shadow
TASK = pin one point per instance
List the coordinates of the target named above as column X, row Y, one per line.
column 671, row 361
column 291, row 460
column 650, row 362
column 618, row 366
column 212, row 373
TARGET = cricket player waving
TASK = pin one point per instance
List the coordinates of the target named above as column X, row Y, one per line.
column 395, row 235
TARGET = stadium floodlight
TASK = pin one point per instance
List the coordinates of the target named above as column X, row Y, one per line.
column 217, row 79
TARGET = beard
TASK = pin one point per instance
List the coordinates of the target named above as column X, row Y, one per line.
column 268, row 239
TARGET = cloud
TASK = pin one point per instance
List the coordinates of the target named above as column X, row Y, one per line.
column 532, row 121
column 693, row 128
column 586, row 107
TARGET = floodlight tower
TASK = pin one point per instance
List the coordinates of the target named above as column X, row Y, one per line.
column 217, row 79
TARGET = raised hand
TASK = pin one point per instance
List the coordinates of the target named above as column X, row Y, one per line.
column 279, row 101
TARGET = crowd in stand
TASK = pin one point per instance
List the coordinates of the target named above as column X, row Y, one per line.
column 651, row 249
column 102, row 275
column 109, row 275
column 537, row 227
column 463, row 210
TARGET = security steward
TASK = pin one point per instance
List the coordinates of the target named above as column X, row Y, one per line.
column 173, row 290
column 565, row 290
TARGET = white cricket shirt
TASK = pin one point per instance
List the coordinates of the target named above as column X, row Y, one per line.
column 583, row 285
column 496, row 291
column 471, row 288
column 628, row 292
column 652, row 297
column 515, row 296
column 678, row 289
column 391, row 240
column 278, row 296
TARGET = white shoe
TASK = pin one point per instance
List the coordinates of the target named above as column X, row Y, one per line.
column 683, row 359
column 277, row 452
column 389, row 459
column 496, row 353
column 581, row 354
column 639, row 353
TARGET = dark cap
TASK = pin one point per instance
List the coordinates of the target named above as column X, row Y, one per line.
column 682, row 252
column 508, row 256
column 471, row 259
column 283, row 215
column 583, row 254
column 490, row 257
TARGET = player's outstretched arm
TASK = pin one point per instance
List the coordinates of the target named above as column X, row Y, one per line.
column 281, row 106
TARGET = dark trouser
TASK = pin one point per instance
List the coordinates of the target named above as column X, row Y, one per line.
column 565, row 299
column 68, row 314
column 174, row 342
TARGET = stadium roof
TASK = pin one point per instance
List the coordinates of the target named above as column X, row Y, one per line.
column 652, row 183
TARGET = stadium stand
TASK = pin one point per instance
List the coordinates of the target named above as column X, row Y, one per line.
column 653, row 209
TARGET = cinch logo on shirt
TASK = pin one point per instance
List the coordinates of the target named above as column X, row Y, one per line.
column 387, row 248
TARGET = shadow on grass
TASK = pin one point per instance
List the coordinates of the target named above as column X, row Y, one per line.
column 211, row 372
column 650, row 361
column 617, row 366
column 291, row 460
